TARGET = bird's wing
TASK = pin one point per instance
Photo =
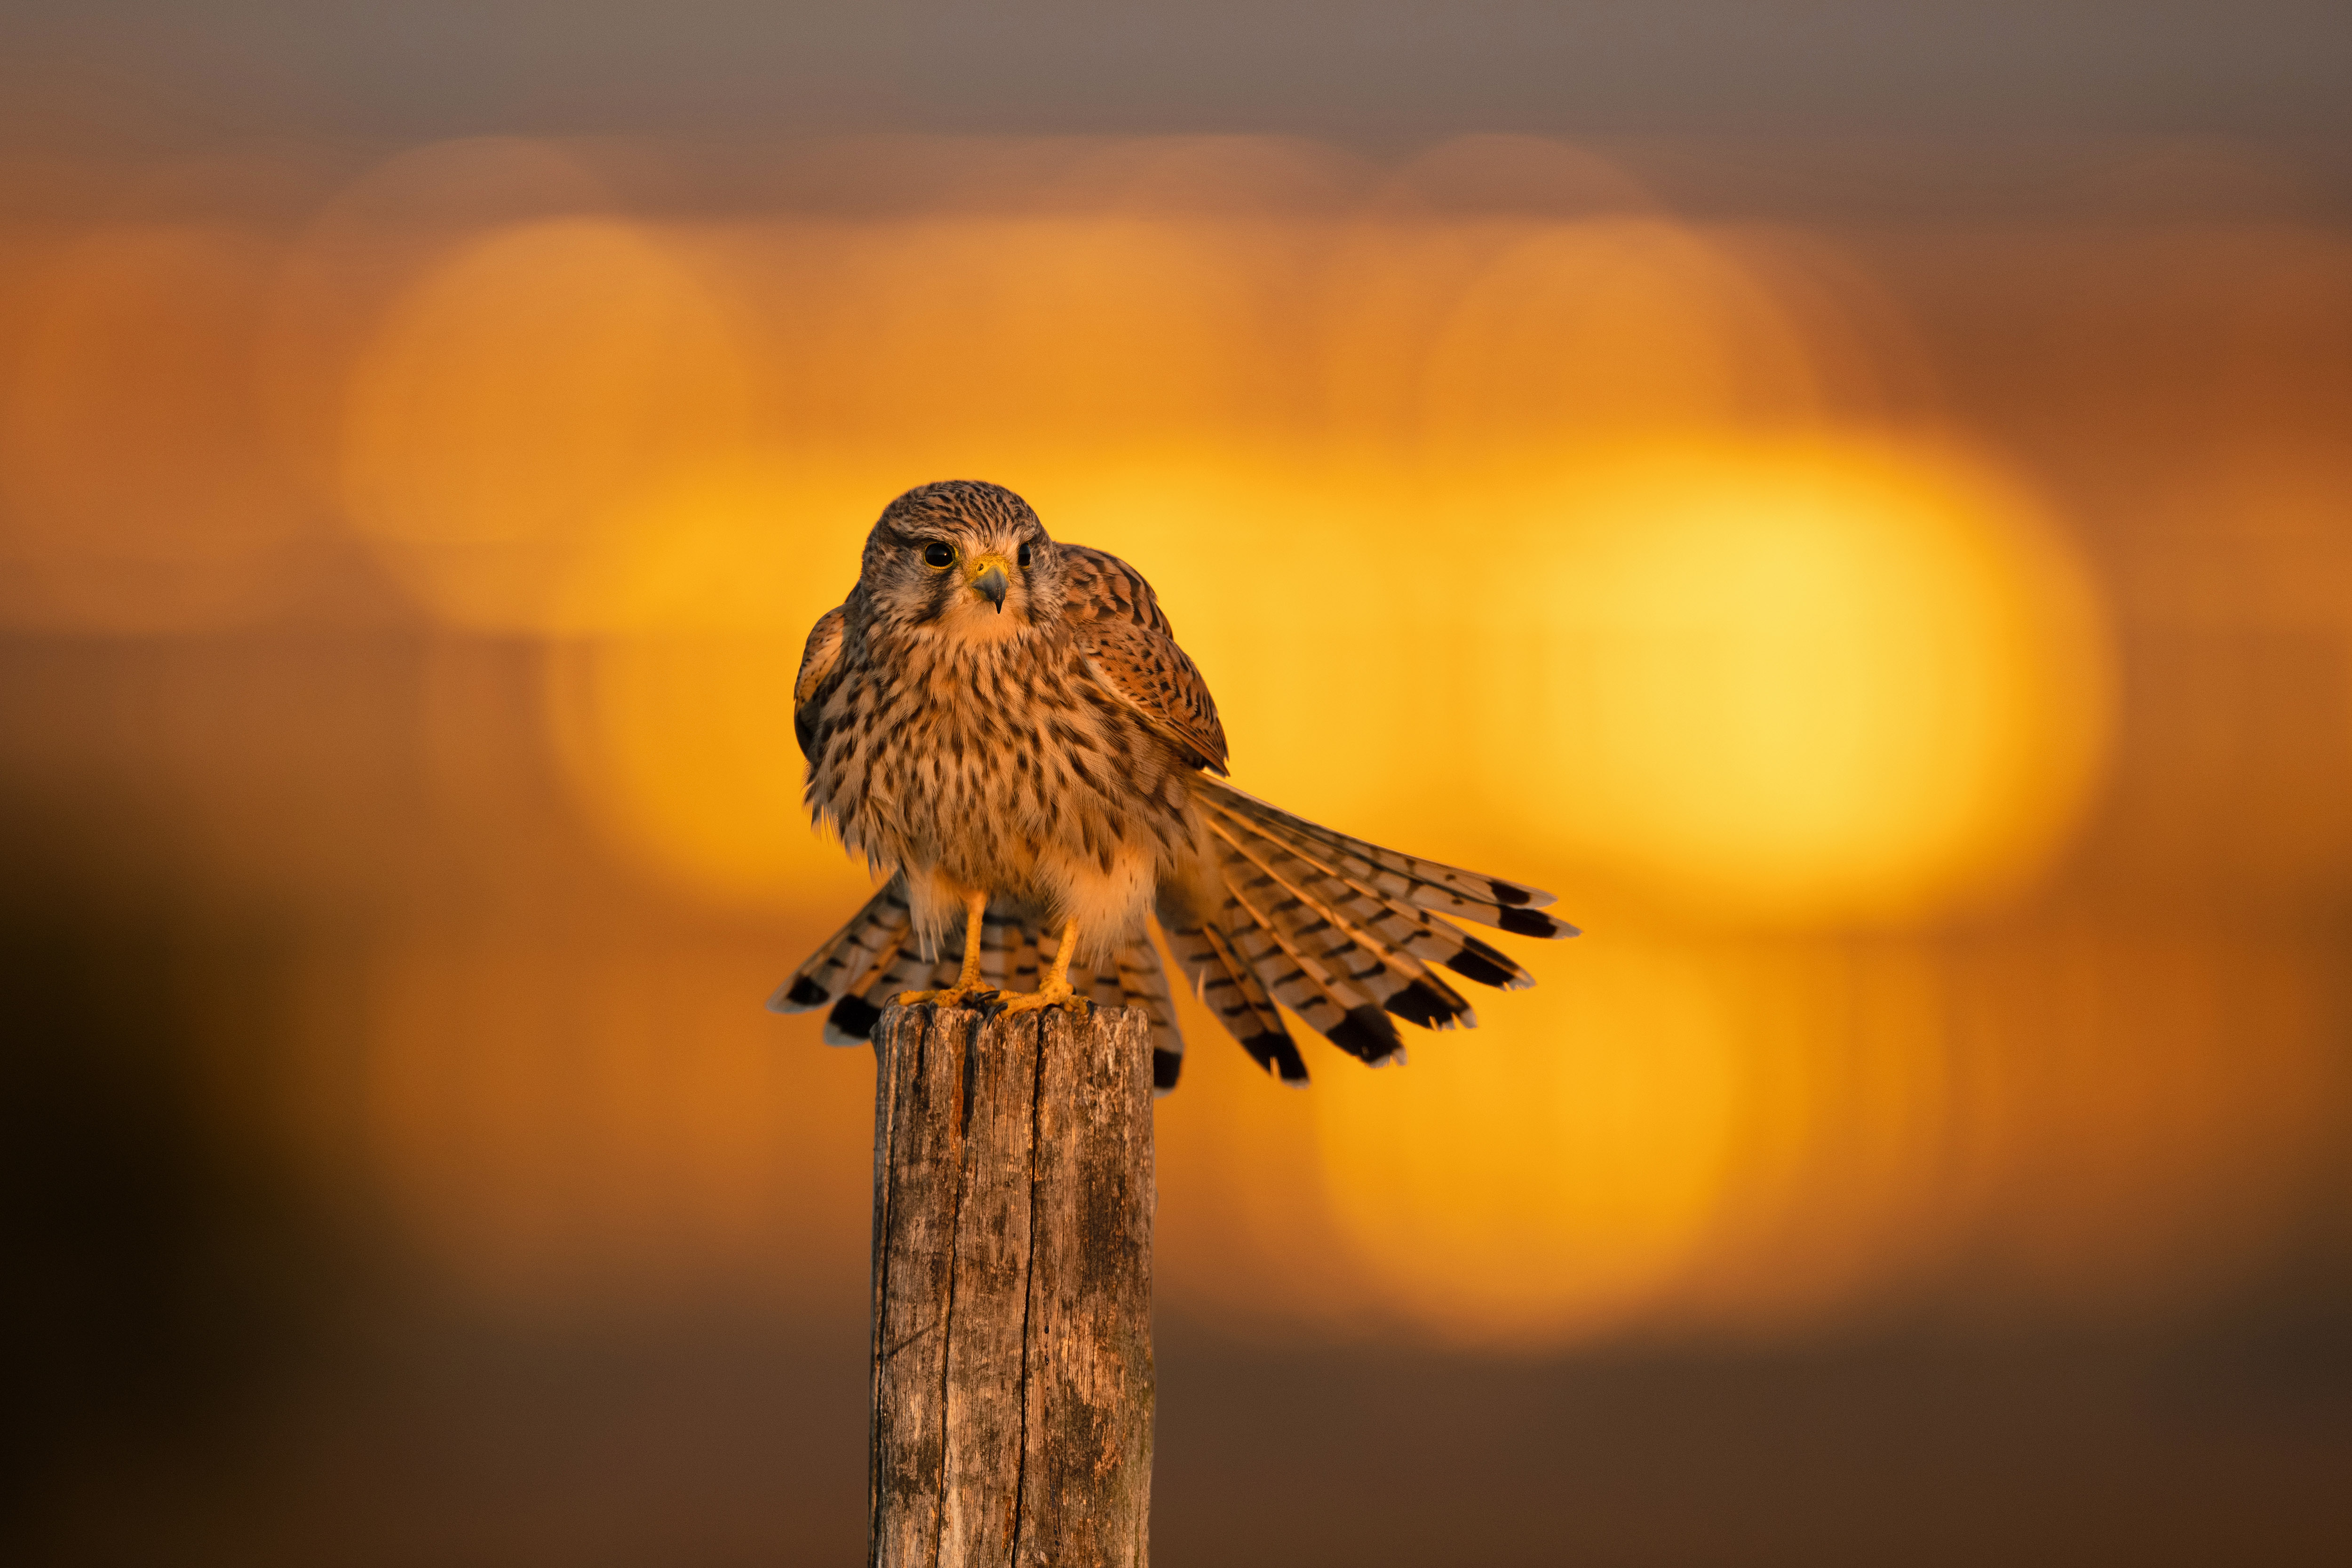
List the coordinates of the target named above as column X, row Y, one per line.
column 1117, row 620
column 819, row 662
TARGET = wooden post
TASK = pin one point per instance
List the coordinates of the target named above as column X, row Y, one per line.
column 1013, row 1378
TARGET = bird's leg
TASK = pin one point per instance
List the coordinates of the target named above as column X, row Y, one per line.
column 968, row 990
column 1054, row 991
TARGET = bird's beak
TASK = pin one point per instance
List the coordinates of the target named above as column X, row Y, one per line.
column 988, row 576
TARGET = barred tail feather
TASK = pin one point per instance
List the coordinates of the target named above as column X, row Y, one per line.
column 1143, row 982
column 1348, row 935
column 1231, row 989
column 1398, row 877
column 1332, row 1001
column 904, row 968
column 1341, row 931
column 834, row 968
column 1382, row 920
column 860, row 968
column 1008, row 957
column 1376, row 944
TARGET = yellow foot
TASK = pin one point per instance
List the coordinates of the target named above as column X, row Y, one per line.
column 1053, row 993
column 953, row 996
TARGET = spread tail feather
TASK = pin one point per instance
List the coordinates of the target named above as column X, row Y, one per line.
column 1230, row 988
column 1344, row 932
column 1403, row 880
column 873, row 936
column 861, row 967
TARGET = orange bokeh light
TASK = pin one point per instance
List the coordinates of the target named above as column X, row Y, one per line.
column 1816, row 681
column 1567, row 493
column 138, row 491
column 1511, row 518
column 519, row 394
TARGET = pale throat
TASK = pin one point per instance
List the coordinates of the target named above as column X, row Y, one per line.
column 971, row 620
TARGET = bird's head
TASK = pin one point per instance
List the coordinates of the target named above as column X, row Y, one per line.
column 963, row 560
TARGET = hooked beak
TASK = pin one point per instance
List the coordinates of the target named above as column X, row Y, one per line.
column 990, row 582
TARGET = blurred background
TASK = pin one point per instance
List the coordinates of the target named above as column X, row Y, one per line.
column 1855, row 497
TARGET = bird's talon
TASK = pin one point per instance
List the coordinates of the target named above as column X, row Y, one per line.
column 1050, row 995
column 982, row 997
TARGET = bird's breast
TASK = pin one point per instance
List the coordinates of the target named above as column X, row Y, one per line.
column 1004, row 767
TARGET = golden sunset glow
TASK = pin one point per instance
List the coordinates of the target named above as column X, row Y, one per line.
column 574, row 1158
column 1729, row 656
column 141, row 493
column 518, row 395
column 1547, row 1181
column 1550, row 534
column 689, row 608
column 1813, row 680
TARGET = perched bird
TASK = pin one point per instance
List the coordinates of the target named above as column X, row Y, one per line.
column 1004, row 727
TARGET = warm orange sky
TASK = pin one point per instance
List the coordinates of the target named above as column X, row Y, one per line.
column 1654, row 559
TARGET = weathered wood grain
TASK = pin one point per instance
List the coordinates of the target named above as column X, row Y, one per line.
column 1013, row 1374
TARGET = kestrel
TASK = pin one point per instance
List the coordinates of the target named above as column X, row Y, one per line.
column 1004, row 727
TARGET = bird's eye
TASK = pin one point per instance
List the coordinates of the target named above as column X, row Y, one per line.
column 938, row 554
column 1023, row 558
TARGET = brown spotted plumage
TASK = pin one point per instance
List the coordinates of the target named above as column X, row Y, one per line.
column 1005, row 728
